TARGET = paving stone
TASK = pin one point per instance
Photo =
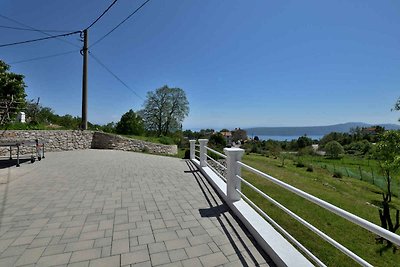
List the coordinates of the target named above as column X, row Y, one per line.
column 157, row 247
column 79, row 264
column 164, row 236
column 146, row 239
column 83, row 255
column 213, row 259
column 195, row 262
column 197, row 251
column 177, row 243
column 30, row 256
column 120, row 246
column 105, row 251
column 177, row 255
column 142, row 264
column 102, row 242
column 113, row 261
column 13, row 251
column 9, row 261
column 54, row 260
column 80, row 245
column 134, row 257
column 159, row 258
column 55, row 249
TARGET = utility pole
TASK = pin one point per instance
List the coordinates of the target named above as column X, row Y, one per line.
column 84, row 53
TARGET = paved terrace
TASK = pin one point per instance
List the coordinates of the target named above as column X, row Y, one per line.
column 113, row 208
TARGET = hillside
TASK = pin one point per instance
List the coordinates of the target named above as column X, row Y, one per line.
column 314, row 130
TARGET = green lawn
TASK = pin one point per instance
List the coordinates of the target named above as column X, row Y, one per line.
column 350, row 194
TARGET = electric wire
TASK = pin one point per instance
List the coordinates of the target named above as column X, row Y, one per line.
column 104, row 12
column 40, row 39
column 43, row 57
column 27, row 29
column 115, row 76
column 113, row 29
column 41, row 31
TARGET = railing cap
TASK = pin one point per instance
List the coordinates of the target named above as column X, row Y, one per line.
column 203, row 140
column 192, row 141
column 233, row 150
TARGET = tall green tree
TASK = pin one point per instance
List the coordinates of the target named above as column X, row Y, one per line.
column 334, row 149
column 164, row 110
column 12, row 85
column 130, row 123
column 397, row 105
column 387, row 151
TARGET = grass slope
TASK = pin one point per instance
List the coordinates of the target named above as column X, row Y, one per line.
column 349, row 194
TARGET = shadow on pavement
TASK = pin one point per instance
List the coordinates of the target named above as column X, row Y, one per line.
column 218, row 210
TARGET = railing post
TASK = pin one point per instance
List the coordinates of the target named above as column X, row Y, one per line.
column 192, row 148
column 203, row 152
column 232, row 182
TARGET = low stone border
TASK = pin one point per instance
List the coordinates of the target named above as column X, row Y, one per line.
column 62, row 140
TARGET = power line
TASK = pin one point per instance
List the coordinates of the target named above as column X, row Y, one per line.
column 113, row 74
column 44, row 57
column 104, row 12
column 28, row 29
column 40, row 39
column 41, row 31
column 113, row 29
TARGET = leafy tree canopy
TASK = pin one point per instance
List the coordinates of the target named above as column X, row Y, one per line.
column 333, row 149
column 12, row 84
column 164, row 110
column 130, row 123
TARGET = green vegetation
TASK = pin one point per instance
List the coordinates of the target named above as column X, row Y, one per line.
column 358, row 197
column 333, row 149
column 130, row 123
column 164, row 110
column 12, row 92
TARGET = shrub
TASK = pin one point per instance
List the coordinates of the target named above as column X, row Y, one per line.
column 300, row 165
column 310, row 168
column 333, row 149
column 166, row 140
column 187, row 154
column 337, row 174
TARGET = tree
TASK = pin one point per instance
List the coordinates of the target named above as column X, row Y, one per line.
column 239, row 135
column 130, row 123
column 303, row 141
column 387, row 152
column 333, row 149
column 217, row 140
column 164, row 110
column 12, row 88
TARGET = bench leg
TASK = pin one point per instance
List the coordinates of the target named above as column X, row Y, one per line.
column 17, row 156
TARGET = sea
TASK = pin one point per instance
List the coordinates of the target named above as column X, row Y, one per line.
column 285, row 137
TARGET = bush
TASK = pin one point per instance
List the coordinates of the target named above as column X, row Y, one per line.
column 310, row 168
column 166, row 140
column 187, row 154
column 300, row 165
column 333, row 149
column 337, row 174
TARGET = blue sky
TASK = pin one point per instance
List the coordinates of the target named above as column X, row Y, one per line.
column 241, row 63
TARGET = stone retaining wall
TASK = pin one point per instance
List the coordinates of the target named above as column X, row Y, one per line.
column 62, row 140
column 110, row 141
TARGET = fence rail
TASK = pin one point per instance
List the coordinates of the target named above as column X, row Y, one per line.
column 233, row 180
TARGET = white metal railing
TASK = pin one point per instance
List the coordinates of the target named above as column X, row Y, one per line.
column 216, row 152
column 233, row 181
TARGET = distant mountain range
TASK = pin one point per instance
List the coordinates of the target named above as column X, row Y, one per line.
column 314, row 130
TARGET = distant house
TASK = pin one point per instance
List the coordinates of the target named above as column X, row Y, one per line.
column 228, row 137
